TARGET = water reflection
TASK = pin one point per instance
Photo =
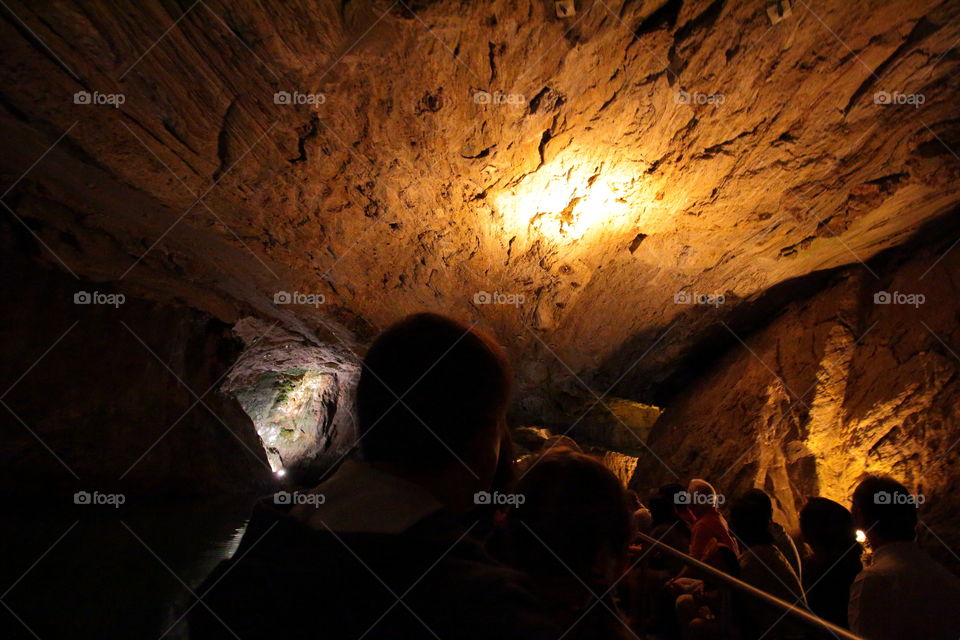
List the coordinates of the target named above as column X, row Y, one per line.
column 233, row 542
column 84, row 571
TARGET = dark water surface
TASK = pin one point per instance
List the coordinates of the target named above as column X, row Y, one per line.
column 114, row 573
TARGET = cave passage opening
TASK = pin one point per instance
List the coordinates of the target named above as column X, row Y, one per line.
column 298, row 395
column 291, row 410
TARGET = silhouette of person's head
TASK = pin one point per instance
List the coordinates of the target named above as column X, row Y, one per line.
column 827, row 526
column 750, row 523
column 664, row 504
column 760, row 498
column 575, row 517
column 432, row 402
column 884, row 510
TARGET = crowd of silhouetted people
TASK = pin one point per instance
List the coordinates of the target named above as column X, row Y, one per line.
column 437, row 531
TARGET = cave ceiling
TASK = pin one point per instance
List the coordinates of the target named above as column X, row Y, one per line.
column 561, row 182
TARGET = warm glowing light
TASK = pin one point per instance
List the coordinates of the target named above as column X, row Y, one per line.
column 567, row 200
column 861, row 536
column 280, row 473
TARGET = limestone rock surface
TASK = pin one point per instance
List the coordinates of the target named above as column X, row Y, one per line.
column 558, row 181
column 300, row 396
column 606, row 194
column 862, row 378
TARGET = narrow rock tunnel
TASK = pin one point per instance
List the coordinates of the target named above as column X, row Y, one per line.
column 715, row 239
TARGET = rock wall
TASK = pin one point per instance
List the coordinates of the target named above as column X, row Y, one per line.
column 586, row 170
column 300, row 396
column 568, row 184
column 862, row 377
column 101, row 392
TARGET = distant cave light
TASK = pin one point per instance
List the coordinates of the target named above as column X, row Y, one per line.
column 567, row 201
column 290, row 410
column 298, row 395
column 861, row 536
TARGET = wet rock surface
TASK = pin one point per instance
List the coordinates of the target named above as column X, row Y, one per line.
column 299, row 395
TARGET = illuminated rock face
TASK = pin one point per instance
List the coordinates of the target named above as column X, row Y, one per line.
column 592, row 167
column 599, row 192
column 837, row 387
column 291, row 411
column 299, row 396
column 614, row 423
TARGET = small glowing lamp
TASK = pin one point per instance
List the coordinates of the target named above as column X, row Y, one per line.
column 280, row 473
column 861, row 536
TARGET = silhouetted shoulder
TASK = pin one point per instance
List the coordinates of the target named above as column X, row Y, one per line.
column 288, row 580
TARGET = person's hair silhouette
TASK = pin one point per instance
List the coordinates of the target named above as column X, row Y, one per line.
column 882, row 507
column 432, row 392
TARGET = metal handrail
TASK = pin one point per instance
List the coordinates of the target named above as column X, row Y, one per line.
column 783, row 605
